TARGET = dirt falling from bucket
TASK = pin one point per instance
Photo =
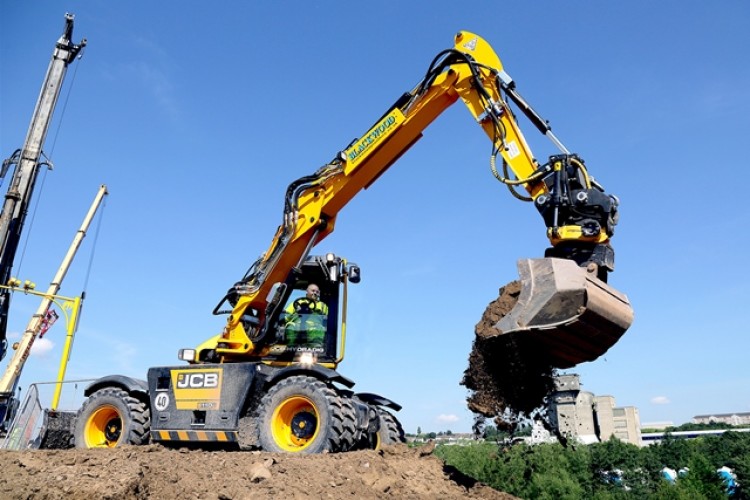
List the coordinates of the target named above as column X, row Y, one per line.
column 507, row 378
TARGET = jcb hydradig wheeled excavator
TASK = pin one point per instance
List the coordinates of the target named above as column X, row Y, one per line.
column 251, row 385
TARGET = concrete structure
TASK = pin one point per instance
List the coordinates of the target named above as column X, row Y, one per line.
column 724, row 418
column 571, row 410
column 627, row 423
column 605, row 417
column 587, row 418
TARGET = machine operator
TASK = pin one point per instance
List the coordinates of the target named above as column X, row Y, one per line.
column 306, row 319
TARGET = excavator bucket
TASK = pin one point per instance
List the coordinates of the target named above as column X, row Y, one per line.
column 565, row 312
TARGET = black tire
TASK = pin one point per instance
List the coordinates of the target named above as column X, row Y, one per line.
column 368, row 436
column 301, row 414
column 350, row 434
column 390, row 432
column 111, row 418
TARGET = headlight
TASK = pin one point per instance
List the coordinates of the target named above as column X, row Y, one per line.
column 306, row 358
column 186, row 355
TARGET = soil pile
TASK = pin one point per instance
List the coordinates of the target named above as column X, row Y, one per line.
column 507, row 377
column 140, row 472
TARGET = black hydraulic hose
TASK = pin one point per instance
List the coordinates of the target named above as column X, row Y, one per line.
column 449, row 58
column 289, row 202
column 251, row 269
column 433, row 71
column 294, row 190
column 291, row 199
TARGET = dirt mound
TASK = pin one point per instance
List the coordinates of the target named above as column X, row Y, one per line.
column 507, row 379
column 140, row 472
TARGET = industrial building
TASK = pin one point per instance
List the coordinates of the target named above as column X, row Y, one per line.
column 723, row 418
column 587, row 418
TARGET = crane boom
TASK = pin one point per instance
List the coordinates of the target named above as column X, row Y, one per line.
column 9, row 380
column 26, row 161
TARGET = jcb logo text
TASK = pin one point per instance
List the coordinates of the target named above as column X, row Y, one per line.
column 197, row 380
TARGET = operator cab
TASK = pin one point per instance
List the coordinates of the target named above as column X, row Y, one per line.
column 307, row 326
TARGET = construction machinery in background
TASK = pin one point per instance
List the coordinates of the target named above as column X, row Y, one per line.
column 27, row 161
column 253, row 386
column 16, row 425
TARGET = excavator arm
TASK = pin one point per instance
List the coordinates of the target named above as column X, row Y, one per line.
column 579, row 215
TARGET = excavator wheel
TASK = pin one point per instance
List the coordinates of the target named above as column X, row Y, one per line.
column 351, row 436
column 390, row 432
column 111, row 418
column 301, row 414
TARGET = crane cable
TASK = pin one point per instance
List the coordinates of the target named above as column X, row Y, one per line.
column 93, row 247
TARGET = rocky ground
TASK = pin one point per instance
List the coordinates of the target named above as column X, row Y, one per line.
column 505, row 381
column 155, row 472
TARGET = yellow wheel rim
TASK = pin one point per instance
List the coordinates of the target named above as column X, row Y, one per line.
column 295, row 424
column 103, row 428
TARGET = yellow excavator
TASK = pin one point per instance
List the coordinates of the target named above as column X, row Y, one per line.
column 253, row 386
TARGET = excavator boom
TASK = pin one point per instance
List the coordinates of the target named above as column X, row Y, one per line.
column 574, row 323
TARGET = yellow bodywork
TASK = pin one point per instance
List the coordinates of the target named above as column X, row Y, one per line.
column 360, row 164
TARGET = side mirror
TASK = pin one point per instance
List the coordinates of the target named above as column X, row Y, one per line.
column 354, row 274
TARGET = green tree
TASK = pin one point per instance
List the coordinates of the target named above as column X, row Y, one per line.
column 614, row 455
column 702, row 480
column 673, row 452
column 555, row 486
column 490, row 433
column 741, row 467
column 724, row 449
column 550, row 474
column 503, row 469
column 668, row 491
column 607, row 471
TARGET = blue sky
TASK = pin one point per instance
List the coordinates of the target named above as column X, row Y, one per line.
column 198, row 115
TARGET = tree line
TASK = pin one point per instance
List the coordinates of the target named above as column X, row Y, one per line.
column 609, row 470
